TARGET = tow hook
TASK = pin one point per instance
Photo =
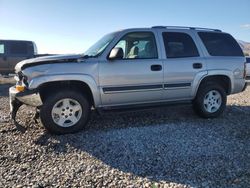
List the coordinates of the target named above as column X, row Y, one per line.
column 15, row 106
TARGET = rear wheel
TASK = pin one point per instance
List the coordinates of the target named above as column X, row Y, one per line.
column 65, row 112
column 210, row 101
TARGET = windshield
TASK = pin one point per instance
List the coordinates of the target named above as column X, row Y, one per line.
column 100, row 45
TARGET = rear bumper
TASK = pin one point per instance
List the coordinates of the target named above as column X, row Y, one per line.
column 239, row 85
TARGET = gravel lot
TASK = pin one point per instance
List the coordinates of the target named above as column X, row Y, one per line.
column 164, row 147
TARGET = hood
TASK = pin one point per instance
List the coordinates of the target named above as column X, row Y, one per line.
column 47, row 60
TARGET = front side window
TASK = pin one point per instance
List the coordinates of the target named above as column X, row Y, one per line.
column 179, row 45
column 220, row 44
column 138, row 45
column 2, row 49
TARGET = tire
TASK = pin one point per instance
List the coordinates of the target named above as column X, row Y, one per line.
column 65, row 112
column 210, row 101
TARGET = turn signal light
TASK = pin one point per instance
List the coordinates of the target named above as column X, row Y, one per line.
column 20, row 88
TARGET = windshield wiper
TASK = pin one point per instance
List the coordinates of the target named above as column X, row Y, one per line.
column 87, row 56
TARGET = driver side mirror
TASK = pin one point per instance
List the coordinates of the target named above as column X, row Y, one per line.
column 116, row 53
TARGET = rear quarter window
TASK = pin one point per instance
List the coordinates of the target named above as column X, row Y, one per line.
column 220, row 44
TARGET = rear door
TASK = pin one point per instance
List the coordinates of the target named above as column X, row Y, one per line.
column 18, row 51
column 3, row 58
column 182, row 63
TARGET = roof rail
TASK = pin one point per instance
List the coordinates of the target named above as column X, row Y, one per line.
column 184, row 27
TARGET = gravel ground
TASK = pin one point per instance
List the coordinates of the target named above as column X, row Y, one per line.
column 164, row 147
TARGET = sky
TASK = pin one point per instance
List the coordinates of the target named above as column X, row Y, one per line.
column 71, row 26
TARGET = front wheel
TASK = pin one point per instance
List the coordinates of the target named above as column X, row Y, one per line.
column 65, row 112
column 210, row 101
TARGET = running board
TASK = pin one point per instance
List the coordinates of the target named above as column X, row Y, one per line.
column 138, row 107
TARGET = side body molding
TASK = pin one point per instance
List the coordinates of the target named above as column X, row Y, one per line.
column 87, row 79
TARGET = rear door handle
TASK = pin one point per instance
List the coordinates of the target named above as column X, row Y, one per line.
column 197, row 65
column 156, row 67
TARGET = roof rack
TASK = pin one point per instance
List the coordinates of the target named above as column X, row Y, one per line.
column 184, row 27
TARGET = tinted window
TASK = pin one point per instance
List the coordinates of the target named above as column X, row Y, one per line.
column 248, row 59
column 220, row 44
column 179, row 45
column 138, row 45
column 1, row 48
column 18, row 48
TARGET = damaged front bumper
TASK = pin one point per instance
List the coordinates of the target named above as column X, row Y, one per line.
column 18, row 98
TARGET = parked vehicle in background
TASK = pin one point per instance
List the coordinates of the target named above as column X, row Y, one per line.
column 133, row 68
column 248, row 69
column 14, row 51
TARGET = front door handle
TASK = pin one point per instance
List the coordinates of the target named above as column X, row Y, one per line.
column 197, row 65
column 156, row 67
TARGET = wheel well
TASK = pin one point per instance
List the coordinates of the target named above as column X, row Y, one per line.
column 50, row 87
column 223, row 80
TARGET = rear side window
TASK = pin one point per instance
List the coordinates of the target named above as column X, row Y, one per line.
column 179, row 45
column 220, row 44
column 18, row 48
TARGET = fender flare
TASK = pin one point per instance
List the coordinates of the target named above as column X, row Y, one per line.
column 90, row 81
column 202, row 75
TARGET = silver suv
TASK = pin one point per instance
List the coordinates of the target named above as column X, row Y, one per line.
column 132, row 68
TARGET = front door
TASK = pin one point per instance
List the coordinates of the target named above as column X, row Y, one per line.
column 137, row 77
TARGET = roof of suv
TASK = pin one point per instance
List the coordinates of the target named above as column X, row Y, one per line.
column 186, row 28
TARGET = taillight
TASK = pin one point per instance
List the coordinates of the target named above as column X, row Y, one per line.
column 245, row 70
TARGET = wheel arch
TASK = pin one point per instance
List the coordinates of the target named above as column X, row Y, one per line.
column 82, row 83
column 225, row 80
